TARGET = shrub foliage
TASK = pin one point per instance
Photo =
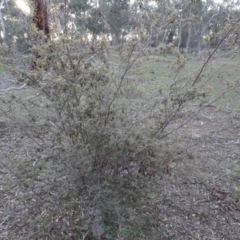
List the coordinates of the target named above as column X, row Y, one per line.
column 82, row 147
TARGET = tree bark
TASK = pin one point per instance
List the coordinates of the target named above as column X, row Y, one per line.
column 189, row 30
column 2, row 23
column 40, row 17
column 57, row 21
column 40, row 20
column 180, row 32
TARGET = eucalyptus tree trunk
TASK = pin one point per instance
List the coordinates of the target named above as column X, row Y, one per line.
column 203, row 32
column 180, row 32
column 189, row 29
column 65, row 18
column 2, row 22
column 56, row 17
column 40, row 17
column 40, row 20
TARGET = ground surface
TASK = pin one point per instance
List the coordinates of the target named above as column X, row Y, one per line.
column 201, row 193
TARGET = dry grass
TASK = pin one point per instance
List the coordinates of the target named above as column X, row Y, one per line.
column 199, row 196
column 202, row 195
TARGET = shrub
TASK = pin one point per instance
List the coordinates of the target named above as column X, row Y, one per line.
column 84, row 146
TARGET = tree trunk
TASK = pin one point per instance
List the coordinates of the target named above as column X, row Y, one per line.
column 65, row 18
column 2, row 23
column 204, row 30
column 189, row 30
column 57, row 21
column 189, row 36
column 40, row 17
column 180, row 32
column 40, row 20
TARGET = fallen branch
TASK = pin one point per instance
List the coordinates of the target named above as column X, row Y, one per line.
column 13, row 88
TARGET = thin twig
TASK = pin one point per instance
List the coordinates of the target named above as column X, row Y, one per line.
column 13, row 88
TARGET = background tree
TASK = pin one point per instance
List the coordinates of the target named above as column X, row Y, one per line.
column 117, row 15
column 17, row 25
column 80, row 10
column 40, row 17
column 3, row 32
column 206, row 23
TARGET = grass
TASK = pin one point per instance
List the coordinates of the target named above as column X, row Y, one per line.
column 219, row 76
column 206, row 190
column 200, row 199
column 199, row 195
column 1, row 69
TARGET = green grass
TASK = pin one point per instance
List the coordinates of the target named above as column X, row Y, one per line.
column 1, row 69
column 217, row 77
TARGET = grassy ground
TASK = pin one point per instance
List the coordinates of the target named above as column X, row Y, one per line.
column 203, row 190
column 202, row 196
column 1, row 69
column 218, row 76
column 199, row 195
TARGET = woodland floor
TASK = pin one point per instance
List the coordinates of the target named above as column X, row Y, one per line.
column 202, row 192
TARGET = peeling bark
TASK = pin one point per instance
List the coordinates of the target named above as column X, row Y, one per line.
column 40, row 17
column 40, row 20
